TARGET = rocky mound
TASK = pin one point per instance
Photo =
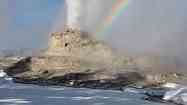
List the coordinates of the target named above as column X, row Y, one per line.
column 76, row 59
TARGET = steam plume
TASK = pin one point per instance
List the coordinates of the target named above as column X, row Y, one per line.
column 144, row 28
column 74, row 13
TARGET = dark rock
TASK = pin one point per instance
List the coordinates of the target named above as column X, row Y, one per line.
column 19, row 67
column 81, row 80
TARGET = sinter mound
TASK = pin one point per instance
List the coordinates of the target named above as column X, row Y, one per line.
column 76, row 59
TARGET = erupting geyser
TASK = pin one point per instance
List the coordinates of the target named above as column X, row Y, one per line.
column 73, row 13
column 64, row 43
column 75, row 58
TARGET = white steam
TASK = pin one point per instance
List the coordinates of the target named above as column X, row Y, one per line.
column 85, row 14
column 145, row 27
column 73, row 13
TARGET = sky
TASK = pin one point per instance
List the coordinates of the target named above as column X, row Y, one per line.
column 146, row 25
column 26, row 23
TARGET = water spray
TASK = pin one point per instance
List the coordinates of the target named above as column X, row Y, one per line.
column 73, row 13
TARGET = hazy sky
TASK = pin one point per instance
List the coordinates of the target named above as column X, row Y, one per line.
column 26, row 23
column 144, row 25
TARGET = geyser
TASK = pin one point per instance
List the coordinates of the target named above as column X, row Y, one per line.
column 74, row 58
column 73, row 13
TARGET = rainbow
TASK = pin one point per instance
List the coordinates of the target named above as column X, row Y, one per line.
column 119, row 7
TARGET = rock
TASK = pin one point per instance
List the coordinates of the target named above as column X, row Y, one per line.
column 75, row 78
column 8, row 61
column 74, row 58
column 19, row 67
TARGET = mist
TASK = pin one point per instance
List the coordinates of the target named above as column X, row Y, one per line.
column 85, row 14
column 154, row 27
column 146, row 27
column 149, row 25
